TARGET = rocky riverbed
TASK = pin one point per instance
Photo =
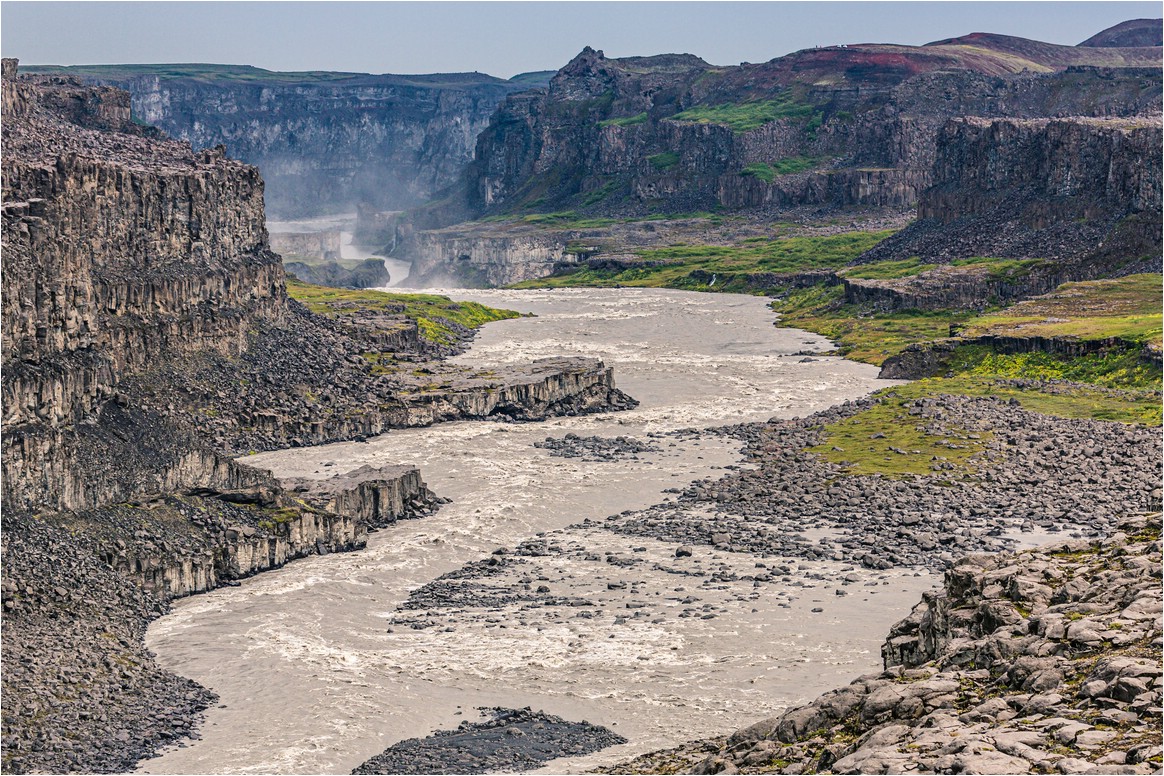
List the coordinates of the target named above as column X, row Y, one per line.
column 1043, row 661
column 635, row 569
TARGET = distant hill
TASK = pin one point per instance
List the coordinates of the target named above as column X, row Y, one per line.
column 1136, row 32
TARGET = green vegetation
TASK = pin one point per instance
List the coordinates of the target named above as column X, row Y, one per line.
column 786, row 166
column 723, row 267
column 664, row 161
column 889, row 270
column 625, row 121
column 1116, row 368
column 760, row 170
column 743, row 117
column 1126, row 308
column 437, row 317
column 1003, row 269
column 862, row 335
column 599, row 194
column 885, row 439
column 1075, row 401
column 565, row 219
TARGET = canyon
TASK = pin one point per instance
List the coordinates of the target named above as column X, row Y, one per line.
column 980, row 214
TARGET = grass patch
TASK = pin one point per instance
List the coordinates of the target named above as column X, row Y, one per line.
column 885, row 439
column 437, row 317
column 787, row 166
column 1118, row 368
column 889, row 270
column 1127, row 308
column 868, row 337
column 1003, row 269
column 744, row 117
column 664, row 161
column 723, row 267
column 1075, row 401
column 759, row 170
column 625, row 121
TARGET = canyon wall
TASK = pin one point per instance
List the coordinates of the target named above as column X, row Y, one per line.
column 1084, row 194
column 324, row 142
column 674, row 134
column 89, row 298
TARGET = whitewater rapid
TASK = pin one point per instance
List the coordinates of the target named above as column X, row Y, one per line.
column 314, row 678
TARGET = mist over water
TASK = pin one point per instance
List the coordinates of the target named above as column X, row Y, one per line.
column 315, row 677
column 344, row 223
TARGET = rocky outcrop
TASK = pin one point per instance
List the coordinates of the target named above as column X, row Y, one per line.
column 88, row 298
column 836, row 127
column 1040, row 661
column 1081, row 194
column 308, row 246
column 934, row 359
column 324, row 142
column 372, row 496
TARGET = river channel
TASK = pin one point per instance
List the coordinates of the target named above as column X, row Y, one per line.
column 316, row 674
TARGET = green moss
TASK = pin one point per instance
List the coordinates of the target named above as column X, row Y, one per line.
column 885, row 439
column 625, row 121
column 664, row 161
column 743, row 117
column 888, row 270
column 862, row 335
column 1067, row 401
column 1126, row 308
column 436, row 316
column 1115, row 368
column 729, row 265
column 759, row 170
column 1003, row 269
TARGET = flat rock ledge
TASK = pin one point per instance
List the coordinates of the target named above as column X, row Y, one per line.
column 1043, row 661
column 375, row 497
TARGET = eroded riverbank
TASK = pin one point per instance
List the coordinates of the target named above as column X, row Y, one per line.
column 626, row 634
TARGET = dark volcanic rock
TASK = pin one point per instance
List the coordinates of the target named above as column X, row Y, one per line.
column 512, row 740
column 596, row 448
column 326, row 142
column 1079, row 198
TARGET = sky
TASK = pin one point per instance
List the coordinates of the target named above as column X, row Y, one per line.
column 506, row 38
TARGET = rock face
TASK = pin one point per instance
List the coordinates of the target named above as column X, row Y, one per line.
column 1082, row 194
column 369, row 273
column 1040, row 661
column 136, row 271
column 187, row 264
column 841, row 126
column 372, row 496
column 324, row 142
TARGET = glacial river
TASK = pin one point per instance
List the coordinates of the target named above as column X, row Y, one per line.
column 314, row 678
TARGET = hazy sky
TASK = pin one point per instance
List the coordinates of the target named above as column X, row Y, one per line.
column 505, row 38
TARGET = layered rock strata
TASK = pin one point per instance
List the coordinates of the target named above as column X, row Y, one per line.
column 1082, row 196
column 325, row 142
column 134, row 269
column 841, row 126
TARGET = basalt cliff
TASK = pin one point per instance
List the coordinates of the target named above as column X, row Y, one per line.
column 147, row 339
column 325, row 142
column 821, row 133
column 842, row 125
